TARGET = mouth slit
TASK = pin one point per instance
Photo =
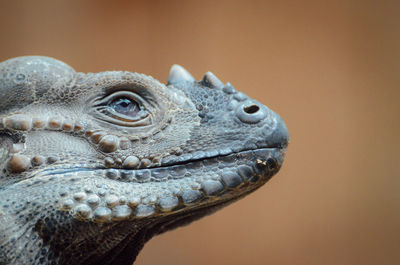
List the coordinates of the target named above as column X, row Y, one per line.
column 176, row 162
column 173, row 171
column 189, row 161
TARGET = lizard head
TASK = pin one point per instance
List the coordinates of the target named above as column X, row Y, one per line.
column 93, row 165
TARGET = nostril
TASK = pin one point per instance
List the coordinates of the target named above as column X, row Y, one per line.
column 251, row 112
column 251, row 109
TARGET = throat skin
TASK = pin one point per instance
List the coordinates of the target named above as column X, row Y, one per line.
column 94, row 165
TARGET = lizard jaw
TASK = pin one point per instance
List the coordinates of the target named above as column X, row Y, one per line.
column 161, row 191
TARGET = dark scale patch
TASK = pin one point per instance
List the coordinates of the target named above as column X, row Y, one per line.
column 207, row 100
column 20, row 78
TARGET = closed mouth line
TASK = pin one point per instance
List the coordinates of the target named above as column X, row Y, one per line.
column 189, row 161
column 67, row 170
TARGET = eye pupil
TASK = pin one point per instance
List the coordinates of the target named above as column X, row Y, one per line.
column 125, row 106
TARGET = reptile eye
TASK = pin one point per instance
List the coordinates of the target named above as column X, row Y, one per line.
column 125, row 106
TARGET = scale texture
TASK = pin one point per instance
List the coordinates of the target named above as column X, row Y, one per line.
column 94, row 165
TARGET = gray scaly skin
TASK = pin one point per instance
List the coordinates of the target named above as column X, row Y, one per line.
column 94, row 165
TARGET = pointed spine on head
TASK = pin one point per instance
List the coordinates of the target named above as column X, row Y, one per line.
column 210, row 80
column 179, row 74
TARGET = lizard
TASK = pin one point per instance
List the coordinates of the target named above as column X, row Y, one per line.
column 93, row 165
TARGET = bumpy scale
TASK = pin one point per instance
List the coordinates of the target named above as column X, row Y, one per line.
column 94, row 165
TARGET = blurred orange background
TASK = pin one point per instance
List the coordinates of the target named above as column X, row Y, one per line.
column 329, row 68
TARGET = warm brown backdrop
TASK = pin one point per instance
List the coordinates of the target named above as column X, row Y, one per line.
column 330, row 69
